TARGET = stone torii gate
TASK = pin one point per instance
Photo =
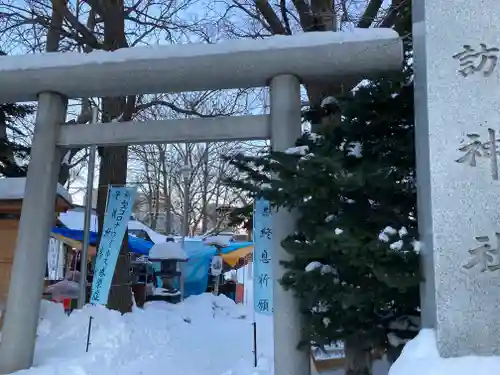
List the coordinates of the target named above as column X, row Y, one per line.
column 281, row 62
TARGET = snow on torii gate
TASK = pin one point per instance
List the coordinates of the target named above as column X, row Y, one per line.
column 281, row 62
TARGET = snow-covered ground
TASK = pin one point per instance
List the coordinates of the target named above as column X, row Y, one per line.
column 420, row 357
column 206, row 335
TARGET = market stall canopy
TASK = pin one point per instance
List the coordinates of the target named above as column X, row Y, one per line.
column 199, row 255
column 74, row 244
column 74, row 219
column 233, row 258
column 135, row 245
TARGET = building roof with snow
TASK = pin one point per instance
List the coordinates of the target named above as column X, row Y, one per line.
column 12, row 188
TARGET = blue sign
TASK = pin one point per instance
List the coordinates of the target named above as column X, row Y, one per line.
column 262, row 252
column 118, row 211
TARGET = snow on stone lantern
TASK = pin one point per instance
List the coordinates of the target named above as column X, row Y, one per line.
column 169, row 254
column 216, row 266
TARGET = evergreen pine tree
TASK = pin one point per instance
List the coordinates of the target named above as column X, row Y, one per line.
column 355, row 254
column 12, row 154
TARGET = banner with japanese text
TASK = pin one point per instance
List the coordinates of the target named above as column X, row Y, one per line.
column 55, row 260
column 118, row 211
column 262, row 272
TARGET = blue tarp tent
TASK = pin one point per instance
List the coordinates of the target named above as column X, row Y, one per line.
column 198, row 265
column 135, row 245
column 196, row 268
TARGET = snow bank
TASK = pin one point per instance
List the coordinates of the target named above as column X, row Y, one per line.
column 206, row 335
column 420, row 357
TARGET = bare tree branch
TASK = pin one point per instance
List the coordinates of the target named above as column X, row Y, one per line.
column 370, row 13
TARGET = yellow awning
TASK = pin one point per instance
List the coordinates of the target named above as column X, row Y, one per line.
column 77, row 245
column 233, row 258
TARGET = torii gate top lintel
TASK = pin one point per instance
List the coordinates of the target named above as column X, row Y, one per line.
column 314, row 56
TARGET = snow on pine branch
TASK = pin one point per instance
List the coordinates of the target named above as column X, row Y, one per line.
column 327, row 101
column 353, row 149
column 388, row 232
column 324, row 268
column 298, row 150
column 315, row 137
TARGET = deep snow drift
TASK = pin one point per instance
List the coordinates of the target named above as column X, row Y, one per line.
column 420, row 357
column 205, row 335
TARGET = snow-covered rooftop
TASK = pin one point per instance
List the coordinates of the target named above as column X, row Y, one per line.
column 196, row 67
column 155, row 236
column 74, row 219
column 13, row 188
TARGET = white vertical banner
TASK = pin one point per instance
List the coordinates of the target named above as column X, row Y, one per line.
column 249, row 270
column 52, row 259
column 262, row 253
column 118, row 211
column 60, row 261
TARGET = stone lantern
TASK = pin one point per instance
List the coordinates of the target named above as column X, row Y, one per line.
column 170, row 255
column 142, row 279
column 216, row 267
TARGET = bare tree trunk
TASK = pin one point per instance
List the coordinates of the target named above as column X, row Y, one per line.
column 154, row 222
column 150, row 195
column 186, row 207
column 59, row 8
column 166, row 192
column 150, row 209
column 153, row 216
column 358, row 358
column 56, row 21
column 168, row 205
column 7, row 154
column 113, row 170
column 53, row 40
column 65, row 170
column 170, row 217
column 206, row 177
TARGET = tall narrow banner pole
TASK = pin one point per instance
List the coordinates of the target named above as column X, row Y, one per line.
column 89, row 330
column 82, row 295
column 254, row 324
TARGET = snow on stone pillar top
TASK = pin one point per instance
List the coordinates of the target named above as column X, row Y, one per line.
column 196, row 67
